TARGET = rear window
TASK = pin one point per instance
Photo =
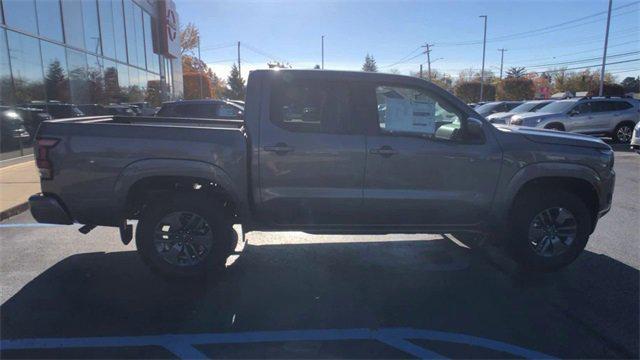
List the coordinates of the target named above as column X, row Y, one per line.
column 622, row 105
column 312, row 106
column 207, row 111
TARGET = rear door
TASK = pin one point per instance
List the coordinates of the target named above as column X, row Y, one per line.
column 311, row 155
column 420, row 171
column 602, row 113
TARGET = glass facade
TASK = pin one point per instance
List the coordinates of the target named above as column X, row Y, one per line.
column 84, row 52
column 49, row 20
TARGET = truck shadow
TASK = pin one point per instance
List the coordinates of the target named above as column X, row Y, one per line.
column 587, row 310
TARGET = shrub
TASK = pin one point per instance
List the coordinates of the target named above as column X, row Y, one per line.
column 469, row 91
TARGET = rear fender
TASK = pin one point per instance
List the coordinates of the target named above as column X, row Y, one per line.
column 142, row 169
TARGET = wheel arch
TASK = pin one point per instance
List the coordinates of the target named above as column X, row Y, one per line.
column 575, row 178
column 144, row 178
column 555, row 124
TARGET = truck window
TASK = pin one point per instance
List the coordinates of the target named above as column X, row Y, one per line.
column 228, row 111
column 410, row 110
column 312, row 106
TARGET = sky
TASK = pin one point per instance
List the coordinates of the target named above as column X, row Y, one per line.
column 538, row 35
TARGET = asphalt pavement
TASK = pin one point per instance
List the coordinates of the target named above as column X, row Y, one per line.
column 297, row 295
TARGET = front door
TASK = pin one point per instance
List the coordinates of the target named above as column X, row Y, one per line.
column 581, row 118
column 312, row 154
column 420, row 170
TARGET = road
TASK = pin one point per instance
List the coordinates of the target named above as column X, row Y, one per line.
column 308, row 296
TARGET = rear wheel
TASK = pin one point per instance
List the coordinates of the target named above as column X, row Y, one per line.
column 185, row 235
column 623, row 132
column 549, row 229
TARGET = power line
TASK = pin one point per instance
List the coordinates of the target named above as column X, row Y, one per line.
column 542, row 31
column 261, row 52
column 591, row 66
column 576, row 52
column 583, row 60
column 404, row 59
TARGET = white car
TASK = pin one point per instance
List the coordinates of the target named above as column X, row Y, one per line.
column 635, row 139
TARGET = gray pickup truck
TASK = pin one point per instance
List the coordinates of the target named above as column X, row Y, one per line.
column 328, row 152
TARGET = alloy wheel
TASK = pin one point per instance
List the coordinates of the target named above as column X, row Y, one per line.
column 183, row 238
column 552, row 231
column 624, row 133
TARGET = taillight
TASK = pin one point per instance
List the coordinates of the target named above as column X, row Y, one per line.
column 43, row 163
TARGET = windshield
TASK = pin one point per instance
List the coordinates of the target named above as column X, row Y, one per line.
column 486, row 108
column 528, row 106
column 557, row 107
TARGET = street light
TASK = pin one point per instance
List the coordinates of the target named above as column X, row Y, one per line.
column 484, row 46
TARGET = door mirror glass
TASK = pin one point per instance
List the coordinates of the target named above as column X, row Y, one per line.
column 474, row 131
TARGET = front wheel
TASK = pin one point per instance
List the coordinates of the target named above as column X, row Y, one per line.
column 184, row 236
column 549, row 229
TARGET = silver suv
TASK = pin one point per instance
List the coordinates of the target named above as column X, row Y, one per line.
column 613, row 117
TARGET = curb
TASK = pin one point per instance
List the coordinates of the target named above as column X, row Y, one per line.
column 14, row 210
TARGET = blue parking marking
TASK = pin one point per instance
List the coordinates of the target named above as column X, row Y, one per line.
column 182, row 345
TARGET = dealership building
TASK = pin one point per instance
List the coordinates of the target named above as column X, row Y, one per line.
column 89, row 51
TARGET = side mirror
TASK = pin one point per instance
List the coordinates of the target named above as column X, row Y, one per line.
column 574, row 112
column 474, row 131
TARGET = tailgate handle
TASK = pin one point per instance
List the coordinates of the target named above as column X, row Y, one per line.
column 383, row 151
column 279, row 148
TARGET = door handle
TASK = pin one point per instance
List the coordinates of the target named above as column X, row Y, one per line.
column 279, row 148
column 383, row 151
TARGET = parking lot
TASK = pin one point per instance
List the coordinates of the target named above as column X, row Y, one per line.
column 297, row 295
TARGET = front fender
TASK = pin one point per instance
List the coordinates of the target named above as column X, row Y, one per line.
column 142, row 169
column 506, row 194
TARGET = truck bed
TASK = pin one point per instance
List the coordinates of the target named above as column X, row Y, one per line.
column 94, row 155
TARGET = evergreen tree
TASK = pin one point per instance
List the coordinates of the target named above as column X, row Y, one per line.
column 369, row 64
column 56, row 82
column 235, row 90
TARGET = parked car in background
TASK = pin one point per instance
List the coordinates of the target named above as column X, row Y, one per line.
column 142, row 108
column 207, row 109
column 615, row 117
column 58, row 110
column 12, row 129
column 32, row 118
column 111, row 109
column 529, row 106
column 635, row 139
column 495, row 107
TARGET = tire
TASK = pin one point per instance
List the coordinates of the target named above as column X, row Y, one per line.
column 623, row 133
column 198, row 247
column 538, row 255
column 556, row 127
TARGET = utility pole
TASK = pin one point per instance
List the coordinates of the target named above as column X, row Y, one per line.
column 428, row 52
column 199, row 67
column 322, row 52
column 420, row 71
column 484, row 46
column 604, row 55
column 501, row 60
column 239, row 67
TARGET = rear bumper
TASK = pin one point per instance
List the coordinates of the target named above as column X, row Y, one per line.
column 47, row 209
